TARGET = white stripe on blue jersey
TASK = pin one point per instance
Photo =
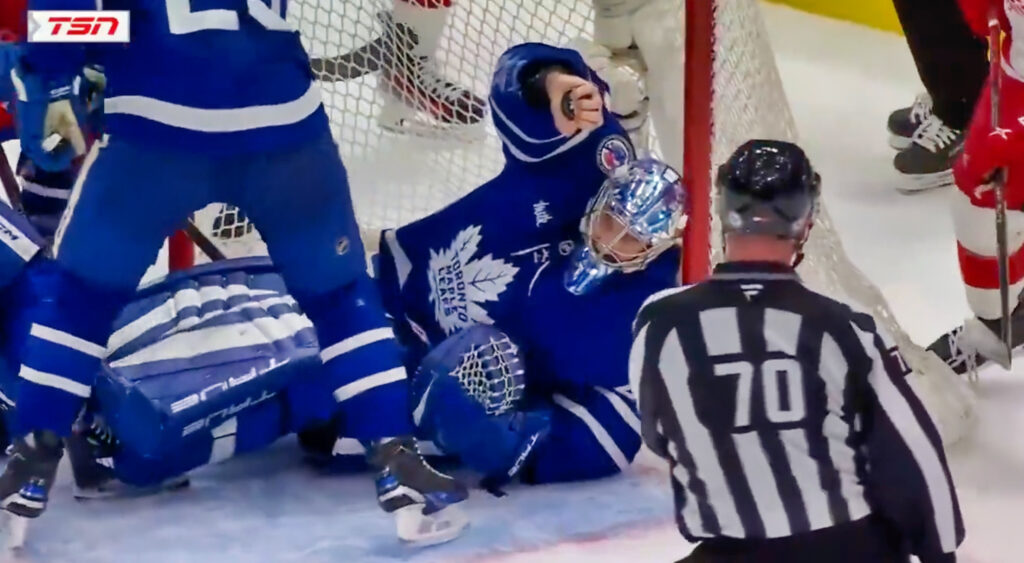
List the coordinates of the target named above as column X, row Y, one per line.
column 230, row 120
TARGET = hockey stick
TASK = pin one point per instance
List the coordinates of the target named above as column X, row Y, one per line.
column 371, row 57
column 10, row 182
column 204, row 243
column 999, row 185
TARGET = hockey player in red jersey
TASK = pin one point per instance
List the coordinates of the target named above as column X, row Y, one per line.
column 989, row 147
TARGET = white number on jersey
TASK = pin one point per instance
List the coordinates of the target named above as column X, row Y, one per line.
column 183, row 20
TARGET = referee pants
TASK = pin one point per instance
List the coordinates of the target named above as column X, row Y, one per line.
column 867, row 540
column 951, row 61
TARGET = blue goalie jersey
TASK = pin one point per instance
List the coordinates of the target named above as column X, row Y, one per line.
column 213, row 76
column 498, row 255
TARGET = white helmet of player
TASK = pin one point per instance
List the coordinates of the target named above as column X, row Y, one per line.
column 638, row 214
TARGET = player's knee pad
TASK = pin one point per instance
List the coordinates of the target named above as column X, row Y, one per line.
column 465, row 397
column 594, row 433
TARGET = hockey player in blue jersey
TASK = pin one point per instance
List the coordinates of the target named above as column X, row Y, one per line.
column 512, row 254
column 230, row 114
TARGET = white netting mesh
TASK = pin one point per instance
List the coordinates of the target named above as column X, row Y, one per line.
column 750, row 102
column 400, row 176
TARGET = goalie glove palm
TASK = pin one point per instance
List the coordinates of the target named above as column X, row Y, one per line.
column 47, row 121
column 466, row 395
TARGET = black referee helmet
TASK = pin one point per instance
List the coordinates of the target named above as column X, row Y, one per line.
column 768, row 188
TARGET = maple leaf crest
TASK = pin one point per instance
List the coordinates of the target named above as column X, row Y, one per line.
column 459, row 285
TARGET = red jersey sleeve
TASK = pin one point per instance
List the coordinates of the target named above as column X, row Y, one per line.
column 13, row 19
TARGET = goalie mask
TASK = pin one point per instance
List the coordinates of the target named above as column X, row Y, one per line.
column 638, row 213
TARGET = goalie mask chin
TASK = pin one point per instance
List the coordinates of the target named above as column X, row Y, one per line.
column 638, row 213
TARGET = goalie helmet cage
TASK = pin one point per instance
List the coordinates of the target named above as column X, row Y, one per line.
column 731, row 92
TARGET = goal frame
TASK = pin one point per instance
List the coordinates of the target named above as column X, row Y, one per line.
column 698, row 130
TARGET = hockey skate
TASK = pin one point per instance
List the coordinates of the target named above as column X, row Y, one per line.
column 422, row 499
column 417, row 97
column 91, row 453
column 928, row 162
column 905, row 121
column 976, row 342
column 26, row 481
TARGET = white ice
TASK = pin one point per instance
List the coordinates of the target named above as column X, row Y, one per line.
column 842, row 80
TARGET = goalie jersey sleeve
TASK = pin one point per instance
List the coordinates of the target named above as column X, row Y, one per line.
column 233, row 76
column 836, row 434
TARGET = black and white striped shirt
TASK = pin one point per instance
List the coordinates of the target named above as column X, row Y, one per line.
column 783, row 411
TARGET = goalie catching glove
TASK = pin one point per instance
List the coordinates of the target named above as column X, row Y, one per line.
column 467, row 395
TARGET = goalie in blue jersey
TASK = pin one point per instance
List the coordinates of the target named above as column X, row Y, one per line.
column 230, row 113
column 515, row 302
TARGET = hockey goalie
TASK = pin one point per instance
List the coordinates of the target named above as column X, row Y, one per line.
column 990, row 146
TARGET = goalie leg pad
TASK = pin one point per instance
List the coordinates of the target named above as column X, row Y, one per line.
column 466, row 397
column 595, row 433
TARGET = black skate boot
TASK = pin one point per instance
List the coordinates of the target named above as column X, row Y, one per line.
column 422, row 499
column 411, row 82
column 977, row 342
column 928, row 162
column 904, row 121
column 26, row 481
column 91, row 453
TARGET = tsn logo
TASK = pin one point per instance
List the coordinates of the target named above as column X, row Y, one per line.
column 73, row 26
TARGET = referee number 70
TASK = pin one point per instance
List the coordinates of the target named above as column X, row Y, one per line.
column 780, row 406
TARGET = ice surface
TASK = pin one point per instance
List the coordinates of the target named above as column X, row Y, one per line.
column 842, row 81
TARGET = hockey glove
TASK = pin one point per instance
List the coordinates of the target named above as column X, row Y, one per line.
column 987, row 149
column 465, row 394
column 46, row 119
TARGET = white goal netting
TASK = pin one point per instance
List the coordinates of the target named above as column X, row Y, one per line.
column 397, row 177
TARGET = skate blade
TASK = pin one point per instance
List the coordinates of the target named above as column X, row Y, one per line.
column 15, row 531
column 923, row 182
column 899, row 143
column 987, row 343
column 121, row 490
column 421, row 530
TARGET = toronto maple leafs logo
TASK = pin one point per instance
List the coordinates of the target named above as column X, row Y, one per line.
column 460, row 284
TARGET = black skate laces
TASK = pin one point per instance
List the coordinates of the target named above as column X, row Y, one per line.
column 935, row 135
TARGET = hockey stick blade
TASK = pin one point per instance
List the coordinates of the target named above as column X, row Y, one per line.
column 999, row 185
column 10, row 182
column 371, row 57
column 204, row 243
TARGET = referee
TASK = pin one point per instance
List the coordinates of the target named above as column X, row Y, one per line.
column 791, row 433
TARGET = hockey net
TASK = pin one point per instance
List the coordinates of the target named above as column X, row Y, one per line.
column 733, row 94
